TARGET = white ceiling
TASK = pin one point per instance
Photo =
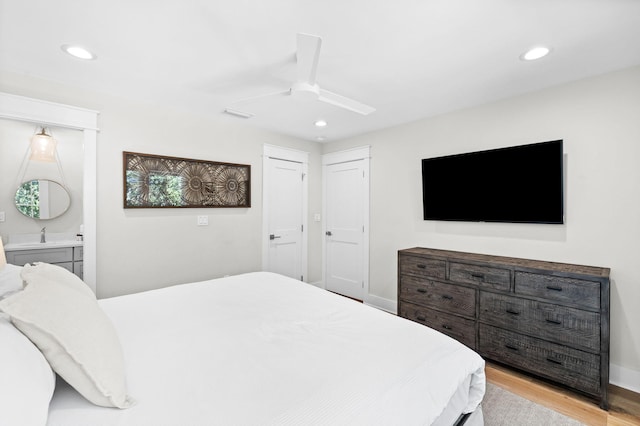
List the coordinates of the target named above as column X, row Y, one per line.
column 409, row 59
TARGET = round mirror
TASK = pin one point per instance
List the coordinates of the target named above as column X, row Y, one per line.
column 42, row 199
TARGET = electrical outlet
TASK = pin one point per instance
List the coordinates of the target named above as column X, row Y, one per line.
column 2, row 217
column 203, row 220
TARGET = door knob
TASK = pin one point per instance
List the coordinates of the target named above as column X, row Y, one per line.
column 273, row 237
column 328, row 233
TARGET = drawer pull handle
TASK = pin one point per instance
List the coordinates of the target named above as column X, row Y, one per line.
column 446, row 327
column 421, row 318
column 513, row 348
column 554, row 288
column 447, row 297
column 422, row 290
column 512, row 312
column 421, row 266
column 478, row 276
column 554, row 361
column 551, row 321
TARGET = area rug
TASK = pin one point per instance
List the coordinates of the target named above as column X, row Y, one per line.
column 501, row 407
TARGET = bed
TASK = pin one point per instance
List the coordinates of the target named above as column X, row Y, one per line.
column 258, row 349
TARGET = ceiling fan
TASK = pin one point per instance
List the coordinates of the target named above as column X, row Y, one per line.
column 305, row 86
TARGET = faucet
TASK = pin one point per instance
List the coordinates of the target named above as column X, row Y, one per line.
column 42, row 235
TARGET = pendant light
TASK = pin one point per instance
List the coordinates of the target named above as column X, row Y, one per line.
column 43, row 147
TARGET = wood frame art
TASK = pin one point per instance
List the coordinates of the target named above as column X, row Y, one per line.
column 154, row 181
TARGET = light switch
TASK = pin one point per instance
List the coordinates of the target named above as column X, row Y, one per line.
column 2, row 217
column 203, row 220
column 316, row 217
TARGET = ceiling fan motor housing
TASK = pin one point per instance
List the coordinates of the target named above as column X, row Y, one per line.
column 305, row 91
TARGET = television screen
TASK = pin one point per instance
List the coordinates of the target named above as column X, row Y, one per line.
column 520, row 184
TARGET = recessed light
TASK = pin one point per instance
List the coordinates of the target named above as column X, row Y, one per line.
column 78, row 52
column 320, row 138
column 320, row 123
column 535, row 53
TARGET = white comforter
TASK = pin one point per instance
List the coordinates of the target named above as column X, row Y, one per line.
column 260, row 349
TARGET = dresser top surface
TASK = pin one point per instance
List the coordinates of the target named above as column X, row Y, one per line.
column 508, row 261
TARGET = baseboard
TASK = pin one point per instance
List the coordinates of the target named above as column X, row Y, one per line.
column 624, row 378
column 378, row 302
column 382, row 303
column 318, row 284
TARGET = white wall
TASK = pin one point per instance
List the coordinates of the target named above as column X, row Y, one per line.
column 599, row 120
column 15, row 137
column 140, row 249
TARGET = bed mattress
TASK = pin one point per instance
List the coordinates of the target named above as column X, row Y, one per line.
column 264, row 349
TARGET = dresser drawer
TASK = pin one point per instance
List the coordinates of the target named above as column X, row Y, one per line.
column 563, row 290
column 570, row 326
column 431, row 268
column 447, row 297
column 461, row 329
column 483, row 276
column 54, row 255
column 580, row 370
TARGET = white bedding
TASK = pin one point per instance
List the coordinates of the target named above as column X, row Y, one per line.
column 263, row 349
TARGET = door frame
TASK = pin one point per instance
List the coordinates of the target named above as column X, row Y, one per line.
column 354, row 154
column 293, row 155
column 41, row 112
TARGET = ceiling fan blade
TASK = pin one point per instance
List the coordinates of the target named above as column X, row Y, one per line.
column 255, row 98
column 307, row 57
column 344, row 102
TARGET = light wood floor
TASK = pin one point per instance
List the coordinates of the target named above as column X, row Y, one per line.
column 624, row 405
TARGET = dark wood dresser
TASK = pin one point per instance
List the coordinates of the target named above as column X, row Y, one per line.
column 548, row 319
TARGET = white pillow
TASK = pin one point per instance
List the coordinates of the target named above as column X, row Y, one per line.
column 10, row 280
column 26, row 379
column 45, row 271
column 75, row 336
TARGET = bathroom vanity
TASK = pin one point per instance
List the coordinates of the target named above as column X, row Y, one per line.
column 65, row 253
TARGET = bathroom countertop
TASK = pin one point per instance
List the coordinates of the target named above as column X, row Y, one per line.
column 40, row 246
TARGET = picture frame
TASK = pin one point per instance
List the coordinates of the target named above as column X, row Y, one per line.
column 155, row 181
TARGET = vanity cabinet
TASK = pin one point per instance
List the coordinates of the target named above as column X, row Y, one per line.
column 548, row 319
column 69, row 258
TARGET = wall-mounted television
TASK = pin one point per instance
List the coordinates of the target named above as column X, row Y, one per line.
column 519, row 184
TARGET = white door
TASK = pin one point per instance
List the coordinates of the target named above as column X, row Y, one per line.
column 346, row 223
column 285, row 210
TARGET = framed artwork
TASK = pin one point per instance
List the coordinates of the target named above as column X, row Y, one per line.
column 153, row 181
